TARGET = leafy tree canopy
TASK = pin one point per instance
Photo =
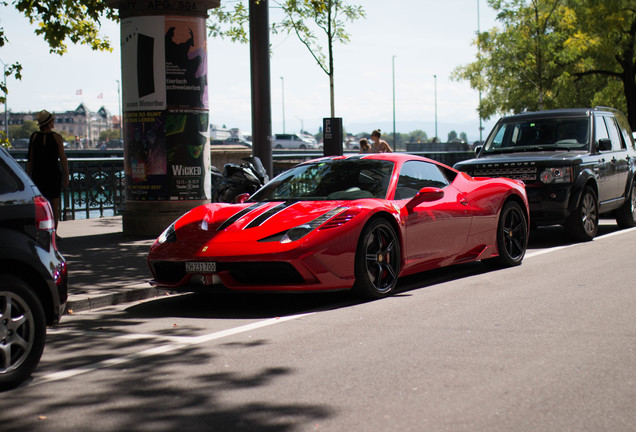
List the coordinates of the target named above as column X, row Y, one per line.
column 554, row 54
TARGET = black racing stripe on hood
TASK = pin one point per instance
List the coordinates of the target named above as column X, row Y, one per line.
column 239, row 215
column 269, row 213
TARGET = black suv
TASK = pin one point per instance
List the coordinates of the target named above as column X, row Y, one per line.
column 33, row 274
column 576, row 164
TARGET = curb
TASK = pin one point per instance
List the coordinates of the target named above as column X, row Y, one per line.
column 83, row 303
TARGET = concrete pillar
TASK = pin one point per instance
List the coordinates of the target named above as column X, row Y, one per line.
column 165, row 110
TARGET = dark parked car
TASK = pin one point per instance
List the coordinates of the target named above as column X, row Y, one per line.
column 33, row 274
column 576, row 164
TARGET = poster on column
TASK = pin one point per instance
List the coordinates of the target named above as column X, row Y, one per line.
column 145, row 163
column 187, row 144
column 186, row 62
column 144, row 103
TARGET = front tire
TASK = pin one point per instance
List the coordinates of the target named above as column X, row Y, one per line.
column 377, row 262
column 22, row 331
column 626, row 215
column 582, row 224
column 512, row 236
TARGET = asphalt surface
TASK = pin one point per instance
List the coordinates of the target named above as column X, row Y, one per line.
column 106, row 267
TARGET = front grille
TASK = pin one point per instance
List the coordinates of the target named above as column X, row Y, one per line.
column 169, row 271
column 264, row 273
column 525, row 173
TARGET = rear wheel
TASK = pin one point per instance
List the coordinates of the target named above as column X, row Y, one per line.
column 626, row 215
column 22, row 331
column 582, row 224
column 512, row 236
column 377, row 262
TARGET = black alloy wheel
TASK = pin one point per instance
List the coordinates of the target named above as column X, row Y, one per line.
column 377, row 264
column 22, row 331
column 512, row 236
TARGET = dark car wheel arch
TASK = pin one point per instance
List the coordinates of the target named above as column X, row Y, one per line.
column 25, row 272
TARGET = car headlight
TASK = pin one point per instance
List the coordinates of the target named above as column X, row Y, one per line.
column 300, row 231
column 169, row 235
column 556, row 175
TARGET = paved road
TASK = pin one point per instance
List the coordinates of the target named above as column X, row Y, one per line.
column 547, row 346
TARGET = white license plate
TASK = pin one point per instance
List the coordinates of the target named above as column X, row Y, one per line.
column 200, row 267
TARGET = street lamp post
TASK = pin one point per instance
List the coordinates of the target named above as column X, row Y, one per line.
column 6, row 116
column 394, row 140
column 121, row 132
column 282, row 80
column 435, row 77
column 479, row 85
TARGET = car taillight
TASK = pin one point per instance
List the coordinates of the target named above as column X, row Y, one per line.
column 43, row 214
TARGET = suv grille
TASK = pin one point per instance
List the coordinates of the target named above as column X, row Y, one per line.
column 522, row 171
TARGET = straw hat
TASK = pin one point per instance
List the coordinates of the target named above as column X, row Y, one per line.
column 44, row 117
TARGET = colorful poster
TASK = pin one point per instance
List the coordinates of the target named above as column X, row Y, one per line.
column 188, row 150
column 145, row 162
column 186, row 62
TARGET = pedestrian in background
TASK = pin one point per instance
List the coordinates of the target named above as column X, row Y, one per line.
column 364, row 146
column 379, row 145
column 47, row 164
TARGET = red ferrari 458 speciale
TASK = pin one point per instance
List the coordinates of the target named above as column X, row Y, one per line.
column 347, row 222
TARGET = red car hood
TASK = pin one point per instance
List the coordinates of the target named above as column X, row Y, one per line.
column 221, row 222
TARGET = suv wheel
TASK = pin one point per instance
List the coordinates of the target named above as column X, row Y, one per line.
column 22, row 331
column 626, row 215
column 582, row 224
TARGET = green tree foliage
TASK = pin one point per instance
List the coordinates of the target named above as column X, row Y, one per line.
column 607, row 66
column 109, row 134
column 554, row 54
column 24, row 130
column 417, row 136
column 316, row 23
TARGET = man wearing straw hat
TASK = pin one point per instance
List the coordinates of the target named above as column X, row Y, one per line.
column 47, row 164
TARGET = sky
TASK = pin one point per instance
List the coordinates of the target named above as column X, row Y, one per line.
column 417, row 39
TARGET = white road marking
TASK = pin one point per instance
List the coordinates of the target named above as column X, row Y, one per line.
column 558, row 248
column 163, row 349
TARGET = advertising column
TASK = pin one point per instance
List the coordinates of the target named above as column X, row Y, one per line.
column 165, row 111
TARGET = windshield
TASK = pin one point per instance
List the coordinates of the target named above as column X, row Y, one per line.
column 540, row 134
column 339, row 179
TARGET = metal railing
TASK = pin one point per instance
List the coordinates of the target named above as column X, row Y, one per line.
column 97, row 188
column 97, row 185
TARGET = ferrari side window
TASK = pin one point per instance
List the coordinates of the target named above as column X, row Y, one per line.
column 416, row 175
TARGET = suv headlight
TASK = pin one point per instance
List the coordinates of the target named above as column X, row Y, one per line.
column 556, row 175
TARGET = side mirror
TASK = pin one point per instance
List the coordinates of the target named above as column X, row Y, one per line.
column 241, row 198
column 426, row 194
column 478, row 150
column 604, row 144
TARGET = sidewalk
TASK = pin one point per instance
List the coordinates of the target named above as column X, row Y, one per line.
column 105, row 266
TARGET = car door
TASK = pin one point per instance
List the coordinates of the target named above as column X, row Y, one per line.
column 620, row 157
column 604, row 168
column 437, row 229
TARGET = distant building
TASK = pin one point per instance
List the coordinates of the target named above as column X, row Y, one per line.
column 81, row 123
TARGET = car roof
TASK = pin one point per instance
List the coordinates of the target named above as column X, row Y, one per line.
column 563, row 112
column 394, row 157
